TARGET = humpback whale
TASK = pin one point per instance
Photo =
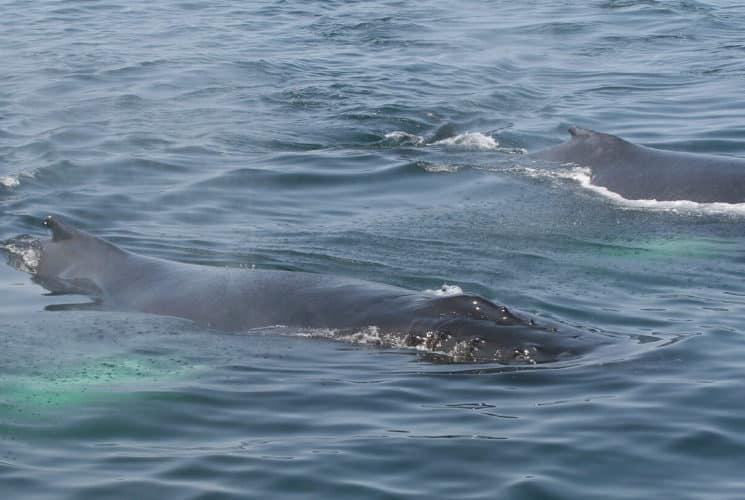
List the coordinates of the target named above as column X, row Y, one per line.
column 465, row 327
column 640, row 172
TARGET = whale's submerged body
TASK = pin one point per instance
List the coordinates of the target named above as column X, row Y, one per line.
column 643, row 173
column 466, row 327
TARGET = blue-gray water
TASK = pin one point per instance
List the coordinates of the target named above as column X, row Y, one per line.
column 380, row 140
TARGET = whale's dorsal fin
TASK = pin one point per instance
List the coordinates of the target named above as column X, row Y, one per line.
column 60, row 230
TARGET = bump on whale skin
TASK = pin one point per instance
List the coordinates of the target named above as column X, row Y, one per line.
column 642, row 173
column 74, row 261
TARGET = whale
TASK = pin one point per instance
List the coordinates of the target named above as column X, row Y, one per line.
column 639, row 172
column 461, row 327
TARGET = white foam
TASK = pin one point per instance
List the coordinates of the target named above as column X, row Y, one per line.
column 466, row 140
column 10, row 180
column 372, row 336
column 13, row 180
column 23, row 253
column 405, row 138
column 438, row 168
column 470, row 140
column 369, row 335
column 446, row 291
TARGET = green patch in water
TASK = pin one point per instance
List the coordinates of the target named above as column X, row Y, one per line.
column 96, row 379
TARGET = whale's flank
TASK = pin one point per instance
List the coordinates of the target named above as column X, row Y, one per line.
column 642, row 173
column 73, row 261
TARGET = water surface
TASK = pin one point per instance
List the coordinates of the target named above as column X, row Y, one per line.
column 379, row 140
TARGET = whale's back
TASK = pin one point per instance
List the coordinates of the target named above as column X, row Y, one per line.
column 639, row 172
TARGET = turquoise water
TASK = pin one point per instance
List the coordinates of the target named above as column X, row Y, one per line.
column 383, row 141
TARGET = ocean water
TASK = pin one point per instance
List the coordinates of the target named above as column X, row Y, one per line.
column 380, row 140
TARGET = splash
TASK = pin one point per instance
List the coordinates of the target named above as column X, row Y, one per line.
column 24, row 253
column 445, row 291
column 431, row 343
column 438, row 347
column 404, row 138
column 13, row 180
column 438, row 168
column 10, row 180
column 470, row 140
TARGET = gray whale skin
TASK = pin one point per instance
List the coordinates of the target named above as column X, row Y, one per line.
column 643, row 173
column 466, row 327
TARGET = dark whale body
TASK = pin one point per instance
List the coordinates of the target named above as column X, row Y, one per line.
column 643, row 173
column 467, row 327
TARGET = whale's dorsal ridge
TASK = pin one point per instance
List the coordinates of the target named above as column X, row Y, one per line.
column 584, row 134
